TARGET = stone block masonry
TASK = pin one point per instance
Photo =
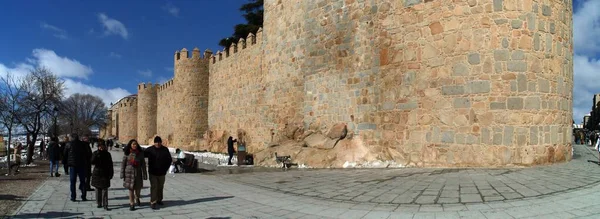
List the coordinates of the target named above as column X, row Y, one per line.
column 417, row 82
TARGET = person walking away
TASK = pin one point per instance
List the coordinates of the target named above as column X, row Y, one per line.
column 54, row 153
column 230, row 149
column 65, row 159
column 180, row 159
column 76, row 155
column 42, row 149
column 17, row 163
column 102, row 174
column 133, row 172
column 159, row 161
column 88, row 164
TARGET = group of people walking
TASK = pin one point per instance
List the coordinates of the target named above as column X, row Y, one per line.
column 133, row 170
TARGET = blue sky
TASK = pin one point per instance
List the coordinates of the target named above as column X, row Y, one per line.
column 107, row 47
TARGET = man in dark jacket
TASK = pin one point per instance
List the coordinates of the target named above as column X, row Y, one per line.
column 230, row 149
column 54, row 156
column 159, row 161
column 65, row 158
column 76, row 158
column 88, row 164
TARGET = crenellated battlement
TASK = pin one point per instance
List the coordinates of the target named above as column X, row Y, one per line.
column 166, row 85
column 127, row 102
column 149, row 85
column 242, row 45
column 183, row 54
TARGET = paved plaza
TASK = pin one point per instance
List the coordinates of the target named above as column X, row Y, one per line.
column 568, row 190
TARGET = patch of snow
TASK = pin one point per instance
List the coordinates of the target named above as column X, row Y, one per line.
column 373, row 164
column 211, row 158
column 303, row 166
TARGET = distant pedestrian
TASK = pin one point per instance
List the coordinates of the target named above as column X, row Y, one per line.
column 88, row 164
column 54, row 153
column 180, row 159
column 17, row 153
column 159, row 161
column 230, row 149
column 43, row 149
column 103, row 173
column 65, row 159
column 110, row 144
column 133, row 172
column 77, row 159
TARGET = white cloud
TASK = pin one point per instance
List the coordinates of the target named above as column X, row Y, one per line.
column 58, row 33
column 171, row 9
column 107, row 95
column 115, row 55
column 19, row 70
column 112, row 26
column 68, row 70
column 61, row 66
column 586, row 31
column 586, row 28
column 585, row 86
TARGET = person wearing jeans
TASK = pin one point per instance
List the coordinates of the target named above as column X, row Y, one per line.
column 159, row 161
column 76, row 155
column 54, row 152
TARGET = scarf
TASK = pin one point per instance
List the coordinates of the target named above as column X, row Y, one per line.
column 132, row 157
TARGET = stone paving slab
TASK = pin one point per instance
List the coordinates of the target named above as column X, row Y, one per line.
column 431, row 185
column 249, row 196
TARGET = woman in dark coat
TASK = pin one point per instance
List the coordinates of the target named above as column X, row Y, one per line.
column 54, row 153
column 133, row 172
column 102, row 174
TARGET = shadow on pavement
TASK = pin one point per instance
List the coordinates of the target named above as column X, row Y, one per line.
column 218, row 218
column 127, row 197
column 51, row 214
column 594, row 161
column 194, row 201
column 11, row 197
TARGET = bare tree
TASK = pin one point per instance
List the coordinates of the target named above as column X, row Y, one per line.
column 82, row 112
column 11, row 92
column 43, row 90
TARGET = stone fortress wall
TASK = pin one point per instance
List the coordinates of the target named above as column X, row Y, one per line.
column 421, row 83
column 127, row 121
column 147, row 107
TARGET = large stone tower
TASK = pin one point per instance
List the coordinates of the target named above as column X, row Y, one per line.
column 432, row 83
column 191, row 80
column 127, row 118
column 146, row 115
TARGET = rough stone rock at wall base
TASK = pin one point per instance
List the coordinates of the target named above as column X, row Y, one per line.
column 320, row 141
column 338, row 131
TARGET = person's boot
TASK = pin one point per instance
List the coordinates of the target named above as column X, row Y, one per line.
column 132, row 207
column 137, row 201
column 51, row 174
column 56, row 174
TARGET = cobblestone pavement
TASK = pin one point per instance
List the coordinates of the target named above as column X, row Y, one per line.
column 570, row 190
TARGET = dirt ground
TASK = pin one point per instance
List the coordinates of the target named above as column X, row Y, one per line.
column 16, row 189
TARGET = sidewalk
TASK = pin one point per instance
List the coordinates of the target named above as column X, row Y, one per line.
column 569, row 190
